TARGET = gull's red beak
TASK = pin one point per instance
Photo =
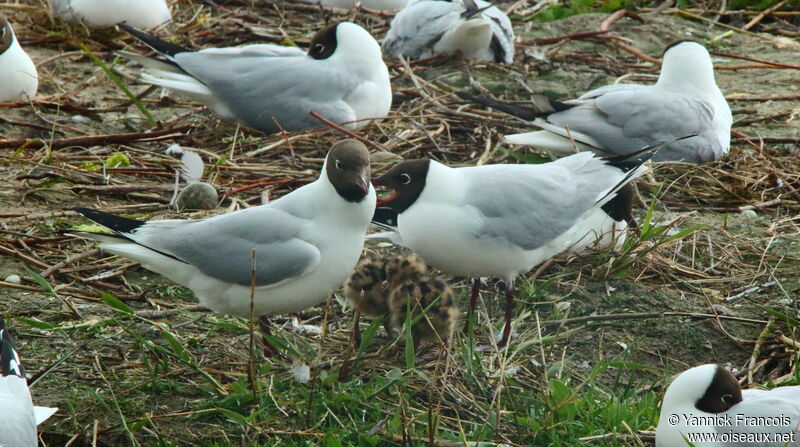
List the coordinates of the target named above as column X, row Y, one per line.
column 387, row 200
column 362, row 184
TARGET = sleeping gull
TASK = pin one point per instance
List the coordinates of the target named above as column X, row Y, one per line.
column 307, row 242
column 18, row 416
column 706, row 406
column 102, row 13
column 502, row 220
column 18, row 77
column 619, row 119
column 271, row 87
column 474, row 28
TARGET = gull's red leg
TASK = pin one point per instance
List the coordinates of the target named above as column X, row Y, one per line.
column 473, row 300
column 509, row 310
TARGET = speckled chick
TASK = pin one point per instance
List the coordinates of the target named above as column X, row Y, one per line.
column 404, row 268
column 366, row 289
column 417, row 294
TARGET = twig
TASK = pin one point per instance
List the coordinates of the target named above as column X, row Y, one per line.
column 763, row 14
column 251, row 357
column 345, row 131
column 786, row 340
column 552, row 40
column 752, row 59
column 96, row 140
column 750, row 290
column 69, row 260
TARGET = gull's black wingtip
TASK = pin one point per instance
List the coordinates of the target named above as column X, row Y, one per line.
column 9, row 360
column 632, row 160
column 160, row 46
column 385, row 217
column 540, row 106
column 114, row 223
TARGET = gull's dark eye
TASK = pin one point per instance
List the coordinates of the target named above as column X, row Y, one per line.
column 318, row 48
column 338, row 164
column 727, row 398
column 405, row 179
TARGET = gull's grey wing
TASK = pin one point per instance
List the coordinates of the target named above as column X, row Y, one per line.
column 417, row 27
column 530, row 205
column 777, row 403
column 503, row 32
column 624, row 120
column 599, row 91
column 221, row 246
column 260, row 89
column 264, row 49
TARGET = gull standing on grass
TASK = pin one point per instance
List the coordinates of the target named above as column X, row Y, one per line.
column 18, row 77
column 706, row 406
column 622, row 118
column 271, row 88
column 18, row 416
column 502, row 220
column 474, row 28
column 307, row 242
column 103, row 13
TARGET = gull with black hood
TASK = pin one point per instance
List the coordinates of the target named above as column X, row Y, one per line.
column 622, row 118
column 18, row 416
column 18, row 77
column 270, row 88
column 502, row 220
column 307, row 242
column 706, row 406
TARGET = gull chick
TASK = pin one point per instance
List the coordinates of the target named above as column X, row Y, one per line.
column 271, row 88
column 501, row 220
column 18, row 77
column 369, row 286
column 306, row 243
column 706, row 401
column 18, row 416
column 366, row 288
column 473, row 28
column 103, row 13
column 429, row 299
column 622, row 118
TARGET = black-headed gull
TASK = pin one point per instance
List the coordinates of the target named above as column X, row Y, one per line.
column 706, row 406
column 102, row 13
column 268, row 87
column 622, row 118
column 474, row 28
column 501, row 220
column 18, row 77
column 18, row 416
column 604, row 228
column 307, row 242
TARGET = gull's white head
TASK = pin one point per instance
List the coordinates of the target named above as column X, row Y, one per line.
column 345, row 40
column 687, row 63
column 702, row 389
